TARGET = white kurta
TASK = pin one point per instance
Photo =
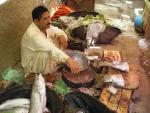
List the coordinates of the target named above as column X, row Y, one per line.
column 38, row 52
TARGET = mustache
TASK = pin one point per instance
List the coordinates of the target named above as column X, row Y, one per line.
column 48, row 23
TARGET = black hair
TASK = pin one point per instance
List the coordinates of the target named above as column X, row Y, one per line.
column 38, row 11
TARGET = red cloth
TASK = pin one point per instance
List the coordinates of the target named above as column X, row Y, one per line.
column 62, row 11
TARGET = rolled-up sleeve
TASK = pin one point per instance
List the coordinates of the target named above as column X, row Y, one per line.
column 58, row 32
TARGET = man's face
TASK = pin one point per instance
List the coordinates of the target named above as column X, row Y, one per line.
column 44, row 22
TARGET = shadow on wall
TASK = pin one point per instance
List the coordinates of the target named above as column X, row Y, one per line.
column 15, row 17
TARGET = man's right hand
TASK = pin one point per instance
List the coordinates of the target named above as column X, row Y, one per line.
column 73, row 65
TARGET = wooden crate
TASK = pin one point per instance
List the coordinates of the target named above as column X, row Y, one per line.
column 118, row 102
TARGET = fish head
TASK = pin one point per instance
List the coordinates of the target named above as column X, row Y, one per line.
column 39, row 83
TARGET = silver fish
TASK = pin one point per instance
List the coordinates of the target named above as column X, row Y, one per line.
column 20, row 102
column 38, row 96
column 16, row 110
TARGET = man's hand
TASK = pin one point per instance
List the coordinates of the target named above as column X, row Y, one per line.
column 62, row 42
column 73, row 66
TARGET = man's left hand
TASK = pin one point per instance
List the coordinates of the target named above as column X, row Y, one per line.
column 62, row 42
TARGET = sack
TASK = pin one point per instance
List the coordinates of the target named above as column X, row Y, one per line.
column 108, row 35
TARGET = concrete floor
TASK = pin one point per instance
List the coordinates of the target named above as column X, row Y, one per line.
column 125, row 7
column 141, row 97
column 15, row 16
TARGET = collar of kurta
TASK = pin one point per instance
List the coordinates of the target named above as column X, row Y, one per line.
column 37, row 29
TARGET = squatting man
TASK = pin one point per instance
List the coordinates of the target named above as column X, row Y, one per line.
column 42, row 46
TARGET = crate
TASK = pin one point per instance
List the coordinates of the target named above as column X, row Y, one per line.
column 120, row 101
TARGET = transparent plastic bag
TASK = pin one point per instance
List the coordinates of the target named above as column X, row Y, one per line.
column 60, row 87
column 13, row 75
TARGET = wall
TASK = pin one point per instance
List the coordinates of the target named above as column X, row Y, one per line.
column 15, row 16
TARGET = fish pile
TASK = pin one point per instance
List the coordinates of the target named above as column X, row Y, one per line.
column 37, row 103
column 35, row 99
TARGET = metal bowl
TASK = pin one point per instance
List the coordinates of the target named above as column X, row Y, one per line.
column 80, row 58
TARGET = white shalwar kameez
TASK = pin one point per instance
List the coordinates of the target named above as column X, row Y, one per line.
column 39, row 53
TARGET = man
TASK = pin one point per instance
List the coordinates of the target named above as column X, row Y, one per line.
column 40, row 45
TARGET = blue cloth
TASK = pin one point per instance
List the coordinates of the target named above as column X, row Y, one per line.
column 138, row 21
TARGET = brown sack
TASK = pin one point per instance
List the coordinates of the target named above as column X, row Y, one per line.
column 108, row 35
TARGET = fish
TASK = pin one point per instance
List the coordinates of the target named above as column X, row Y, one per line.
column 20, row 105
column 14, row 92
column 38, row 95
column 53, row 103
column 78, row 101
column 20, row 110
column 16, row 110
column 20, row 102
